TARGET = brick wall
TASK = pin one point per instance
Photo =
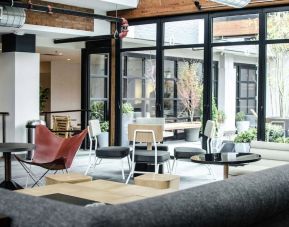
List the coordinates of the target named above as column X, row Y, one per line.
column 60, row 20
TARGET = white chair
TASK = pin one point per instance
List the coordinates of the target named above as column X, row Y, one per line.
column 151, row 135
column 112, row 152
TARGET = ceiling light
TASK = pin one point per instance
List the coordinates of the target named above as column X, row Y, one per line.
column 233, row 3
column 68, row 59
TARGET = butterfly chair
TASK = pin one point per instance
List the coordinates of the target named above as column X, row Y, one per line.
column 151, row 135
column 52, row 152
column 111, row 152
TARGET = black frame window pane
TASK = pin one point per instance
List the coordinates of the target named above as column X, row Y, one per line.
column 184, row 32
column 277, row 25
column 98, row 88
column 236, row 28
column 143, row 35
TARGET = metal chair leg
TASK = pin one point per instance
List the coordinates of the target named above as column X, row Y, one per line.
column 122, row 169
column 131, row 173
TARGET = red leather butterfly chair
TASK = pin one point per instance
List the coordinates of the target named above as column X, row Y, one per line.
column 52, row 152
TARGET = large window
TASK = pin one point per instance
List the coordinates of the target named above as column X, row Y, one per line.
column 239, row 63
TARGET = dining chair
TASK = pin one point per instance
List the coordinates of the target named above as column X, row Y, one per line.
column 186, row 153
column 62, row 125
column 51, row 152
column 110, row 152
column 151, row 135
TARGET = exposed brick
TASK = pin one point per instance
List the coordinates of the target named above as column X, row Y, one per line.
column 60, row 20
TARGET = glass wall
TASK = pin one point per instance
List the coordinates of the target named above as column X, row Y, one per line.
column 234, row 62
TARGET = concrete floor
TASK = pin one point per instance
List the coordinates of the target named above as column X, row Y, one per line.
column 191, row 174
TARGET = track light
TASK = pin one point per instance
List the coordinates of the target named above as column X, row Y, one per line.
column 233, row 3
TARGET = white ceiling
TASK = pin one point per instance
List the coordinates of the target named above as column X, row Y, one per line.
column 103, row 5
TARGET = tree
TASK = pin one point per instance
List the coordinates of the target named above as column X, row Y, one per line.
column 190, row 88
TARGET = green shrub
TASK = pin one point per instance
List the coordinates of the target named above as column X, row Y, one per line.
column 240, row 116
column 104, row 126
column 247, row 136
column 127, row 108
column 274, row 133
column 97, row 111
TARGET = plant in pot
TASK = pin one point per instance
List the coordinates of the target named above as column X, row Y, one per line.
column 241, row 124
column 103, row 136
column 127, row 118
column 190, row 93
column 243, row 140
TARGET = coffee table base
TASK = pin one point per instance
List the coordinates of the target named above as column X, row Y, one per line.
column 226, row 171
column 10, row 185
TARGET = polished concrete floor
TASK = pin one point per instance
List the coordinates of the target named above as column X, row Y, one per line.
column 191, row 174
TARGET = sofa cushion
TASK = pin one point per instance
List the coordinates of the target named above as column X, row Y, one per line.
column 112, row 152
column 255, row 166
column 269, row 150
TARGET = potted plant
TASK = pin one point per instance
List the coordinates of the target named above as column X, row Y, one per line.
column 190, row 93
column 243, row 140
column 44, row 95
column 241, row 124
column 103, row 136
column 97, row 109
column 127, row 118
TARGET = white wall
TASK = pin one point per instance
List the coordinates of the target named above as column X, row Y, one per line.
column 19, row 92
column 66, row 87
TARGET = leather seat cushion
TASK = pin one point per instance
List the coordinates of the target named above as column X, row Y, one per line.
column 187, row 152
column 149, row 156
column 112, row 152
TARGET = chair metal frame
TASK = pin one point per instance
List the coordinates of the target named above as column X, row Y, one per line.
column 97, row 161
column 156, row 163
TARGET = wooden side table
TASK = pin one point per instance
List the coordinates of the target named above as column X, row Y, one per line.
column 159, row 181
column 71, row 178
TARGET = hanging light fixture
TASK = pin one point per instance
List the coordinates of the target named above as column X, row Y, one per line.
column 233, row 3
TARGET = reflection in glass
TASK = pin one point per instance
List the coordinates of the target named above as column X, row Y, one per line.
column 139, row 79
column 277, row 25
column 237, row 86
column 184, row 32
column 183, row 63
column 140, row 36
column 277, row 102
column 236, row 28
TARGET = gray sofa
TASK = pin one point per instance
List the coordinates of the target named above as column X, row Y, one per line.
column 273, row 155
column 257, row 199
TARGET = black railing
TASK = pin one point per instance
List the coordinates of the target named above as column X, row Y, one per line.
column 4, row 114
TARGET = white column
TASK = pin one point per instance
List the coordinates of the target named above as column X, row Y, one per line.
column 227, row 90
column 19, row 92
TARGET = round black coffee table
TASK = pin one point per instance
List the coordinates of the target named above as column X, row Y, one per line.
column 226, row 159
column 7, row 149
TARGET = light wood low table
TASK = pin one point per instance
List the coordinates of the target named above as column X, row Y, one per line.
column 159, row 181
column 71, row 178
column 99, row 190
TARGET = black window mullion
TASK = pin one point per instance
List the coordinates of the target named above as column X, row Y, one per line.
column 261, row 128
column 159, row 72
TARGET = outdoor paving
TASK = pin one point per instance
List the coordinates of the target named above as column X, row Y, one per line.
column 191, row 174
